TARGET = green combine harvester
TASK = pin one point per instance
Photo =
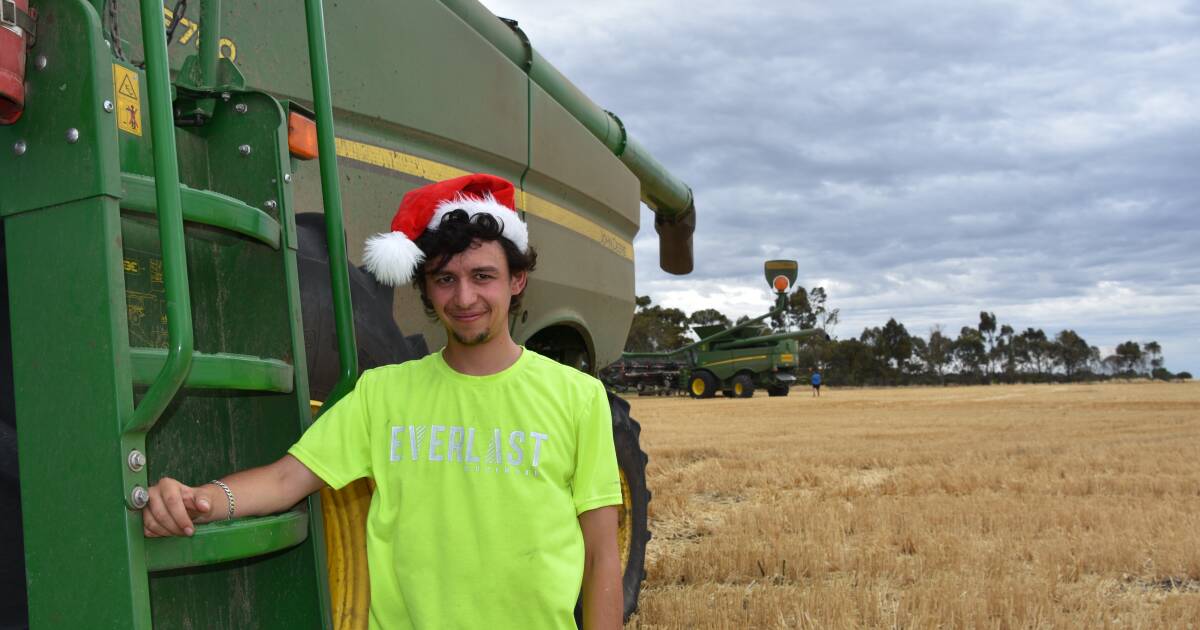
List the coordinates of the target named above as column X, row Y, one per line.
column 736, row 360
column 179, row 290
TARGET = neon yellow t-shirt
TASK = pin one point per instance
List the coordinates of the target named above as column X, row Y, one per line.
column 479, row 482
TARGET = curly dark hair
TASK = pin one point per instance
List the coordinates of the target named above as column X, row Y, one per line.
column 456, row 232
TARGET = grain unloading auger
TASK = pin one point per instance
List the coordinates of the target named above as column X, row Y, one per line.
column 666, row 195
column 735, row 360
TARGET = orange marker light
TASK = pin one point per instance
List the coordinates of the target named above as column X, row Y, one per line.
column 781, row 283
column 302, row 136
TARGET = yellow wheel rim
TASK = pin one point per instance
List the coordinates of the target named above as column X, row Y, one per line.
column 624, row 522
column 738, row 389
column 697, row 386
column 345, row 515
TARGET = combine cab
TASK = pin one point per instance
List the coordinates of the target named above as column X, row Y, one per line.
column 179, row 290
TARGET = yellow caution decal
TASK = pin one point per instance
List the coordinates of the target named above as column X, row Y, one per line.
column 129, row 102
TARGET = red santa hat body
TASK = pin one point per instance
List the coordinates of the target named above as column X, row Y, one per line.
column 394, row 258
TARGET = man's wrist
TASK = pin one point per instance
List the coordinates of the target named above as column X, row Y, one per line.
column 221, row 491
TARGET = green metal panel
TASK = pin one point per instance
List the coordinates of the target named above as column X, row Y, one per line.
column 579, row 173
column 72, row 392
column 69, row 93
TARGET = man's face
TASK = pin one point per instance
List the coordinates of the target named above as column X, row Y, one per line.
column 471, row 294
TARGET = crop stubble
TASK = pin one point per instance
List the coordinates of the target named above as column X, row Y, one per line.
column 1032, row 506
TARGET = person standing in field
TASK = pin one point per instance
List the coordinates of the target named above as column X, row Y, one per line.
column 495, row 471
column 816, row 384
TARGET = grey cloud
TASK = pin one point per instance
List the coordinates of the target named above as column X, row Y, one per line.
column 927, row 158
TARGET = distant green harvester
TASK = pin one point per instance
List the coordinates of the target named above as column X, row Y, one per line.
column 736, row 360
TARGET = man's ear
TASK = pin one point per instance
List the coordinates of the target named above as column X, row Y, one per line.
column 517, row 282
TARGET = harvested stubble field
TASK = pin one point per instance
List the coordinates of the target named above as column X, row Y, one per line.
column 1040, row 506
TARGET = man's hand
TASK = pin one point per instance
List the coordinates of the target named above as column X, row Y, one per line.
column 603, row 599
column 174, row 509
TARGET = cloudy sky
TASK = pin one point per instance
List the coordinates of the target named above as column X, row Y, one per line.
column 923, row 160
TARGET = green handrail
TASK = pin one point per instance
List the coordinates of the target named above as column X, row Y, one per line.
column 210, row 41
column 218, row 371
column 335, row 236
column 170, row 225
column 223, row 541
column 203, row 206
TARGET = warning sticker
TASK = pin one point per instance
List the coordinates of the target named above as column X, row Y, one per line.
column 129, row 102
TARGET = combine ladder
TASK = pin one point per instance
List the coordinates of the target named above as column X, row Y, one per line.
column 143, row 348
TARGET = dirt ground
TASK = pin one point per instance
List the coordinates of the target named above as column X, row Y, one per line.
column 1029, row 506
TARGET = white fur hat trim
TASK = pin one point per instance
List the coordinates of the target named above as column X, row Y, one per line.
column 392, row 258
column 513, row 228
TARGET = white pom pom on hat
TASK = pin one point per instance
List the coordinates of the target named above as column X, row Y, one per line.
column 393, row 258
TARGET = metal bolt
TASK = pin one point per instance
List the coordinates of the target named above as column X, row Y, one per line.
column 240, row 108
column 136, row 460
column 39, row 62
column 108, row 106
column 19, row 147
column 287, row 178
column 225, row 96
column 244, row 149
column 270, row 204
column 72, row 135
column 139, row 497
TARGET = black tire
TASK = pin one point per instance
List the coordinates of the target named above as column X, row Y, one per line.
column 632, row 462
column 743, row 386
column 380, row 341
column 777, row 390
column 702, row 384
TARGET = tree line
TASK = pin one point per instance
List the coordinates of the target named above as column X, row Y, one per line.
column 990, row 352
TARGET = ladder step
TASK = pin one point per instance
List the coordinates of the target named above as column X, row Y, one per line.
column 217, row 371
column 228, row 540
column 203, row 206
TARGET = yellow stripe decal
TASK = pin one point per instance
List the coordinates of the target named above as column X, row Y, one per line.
column 553, row 213
column 737, row 360
column 436, row 171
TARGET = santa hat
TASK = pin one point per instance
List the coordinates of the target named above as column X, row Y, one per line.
column 394, row 258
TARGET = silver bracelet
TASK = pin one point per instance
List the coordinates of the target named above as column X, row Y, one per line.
column 228, row 495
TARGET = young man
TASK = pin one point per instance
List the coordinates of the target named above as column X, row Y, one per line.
column 816, row 384
column 496, row 477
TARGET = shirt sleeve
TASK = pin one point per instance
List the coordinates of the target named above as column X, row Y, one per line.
column 596, row 483
column 337, row 446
